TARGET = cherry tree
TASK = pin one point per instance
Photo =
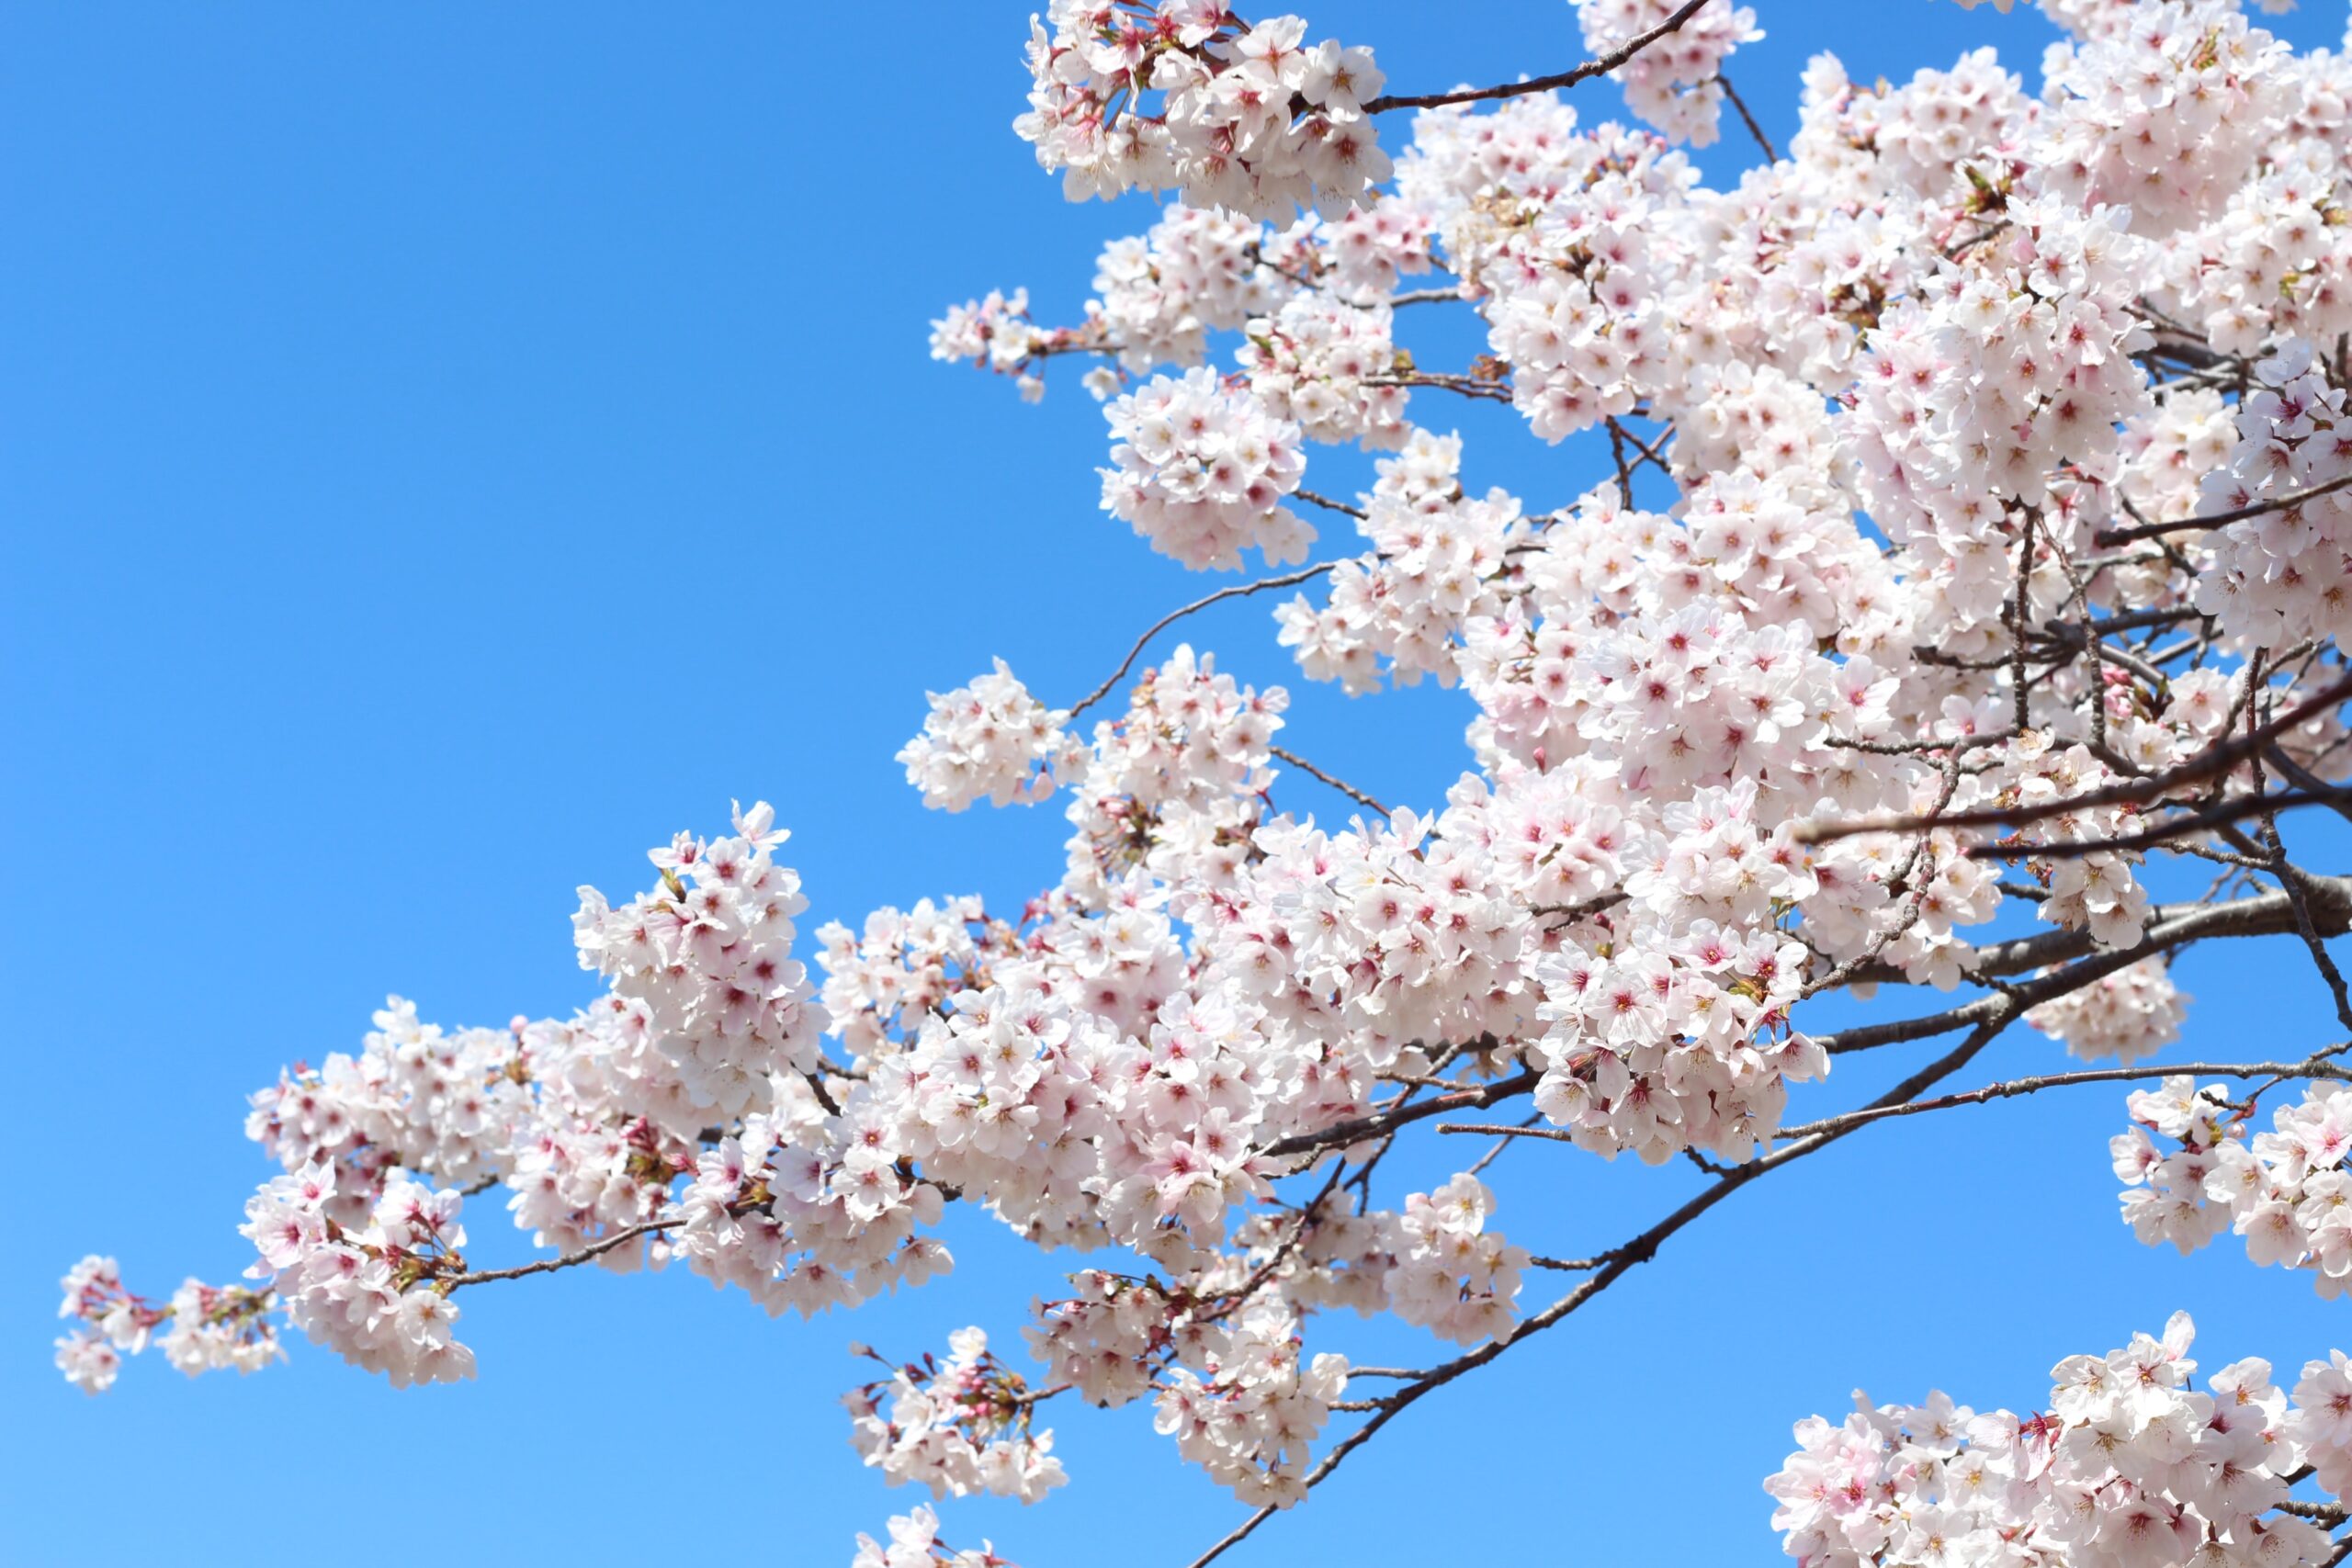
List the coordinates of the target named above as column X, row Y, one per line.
column 1976, row 547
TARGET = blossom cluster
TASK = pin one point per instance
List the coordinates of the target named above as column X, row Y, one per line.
column 204, row 1328
column 957, row 1426
column 709, row 957
column 988, row 739
column 2284, row 573
column 1200, row 470
column 2133, row 1012
column 1233, row 1388
column 417, row 1097
column 1577, row 308
column 803, row 1212
column 1437, row 555
column 2132, row 1464
column 914, row 1543
column 1175, row 786
column 2166, row 115
column 579, row 1179
column 1457, row 1278
column 2017, row 360
column 1311, row 362
column 1249, row 1412
column 903, row 964
column 995, row 332
column 1197, row 269
column 1908, row 607
column 1250, row 117
column 1676, row 83
column 2288, row 1192
column 377, row 1295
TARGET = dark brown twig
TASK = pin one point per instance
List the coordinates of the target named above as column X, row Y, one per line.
column 1745, row 119
column 1311, row 770
column 1286, row 580
column 2215, row 760
column 2223, row 519
column 1598, row 65
column 569, row 1259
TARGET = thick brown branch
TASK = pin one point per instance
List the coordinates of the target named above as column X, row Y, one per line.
column 2223, row 519
column 2213, row 760
column 2272, row 914
column 1360, row 1128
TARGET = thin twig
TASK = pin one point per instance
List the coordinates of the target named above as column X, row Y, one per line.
column 1621, row 1260
column 569, row 1259
column 1329, row 504
column 1311, row 770
column 1598, row 65
column 1467, row 386
column 1745, row 119
column 2313, row 1069
column 1494, row 1154
column 1286, row 580
column 1522, row 1131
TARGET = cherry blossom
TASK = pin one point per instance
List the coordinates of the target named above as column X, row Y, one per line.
column 202, row 1328
column 1457, row 1278
column 2127, row 1015
column 708, row 955
column 914, row 1543
column 2130, row 1464
column 1201, row 470
column 2285, row 571
column 958, row 1425
column 2288, row 1192
column 1245, row 116
column 991, row 738
column 1676, row 83
column 368, row 1293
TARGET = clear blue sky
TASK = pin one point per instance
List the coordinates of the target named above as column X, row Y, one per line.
column 445, row 449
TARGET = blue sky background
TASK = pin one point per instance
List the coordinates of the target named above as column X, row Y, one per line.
column 445, row 449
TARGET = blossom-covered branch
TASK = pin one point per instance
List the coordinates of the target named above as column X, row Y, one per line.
column 1973, row 543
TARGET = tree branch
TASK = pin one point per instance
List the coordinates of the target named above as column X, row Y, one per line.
column 2314, row 1068
column 1598, row 65
column 2221, row 519
column 1311, row 770
column 1357, row 1129
column 1286, row 580
column 570, row 1259
column 1621, row 1261
column 2215, row 760
column 1745, row 119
